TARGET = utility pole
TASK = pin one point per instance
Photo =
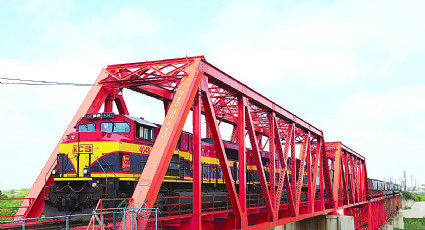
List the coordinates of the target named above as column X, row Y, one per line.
column 405, row 180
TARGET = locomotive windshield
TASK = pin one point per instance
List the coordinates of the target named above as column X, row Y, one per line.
column 115, row 127
column 89, row 127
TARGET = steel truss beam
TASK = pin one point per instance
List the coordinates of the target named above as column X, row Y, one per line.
column 193, row 83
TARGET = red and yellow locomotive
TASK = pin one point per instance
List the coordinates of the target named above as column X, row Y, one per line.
column 107, row 153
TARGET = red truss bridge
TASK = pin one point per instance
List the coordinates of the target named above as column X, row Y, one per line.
column 275, row 169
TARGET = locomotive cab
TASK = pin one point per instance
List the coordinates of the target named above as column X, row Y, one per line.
column 103, row 158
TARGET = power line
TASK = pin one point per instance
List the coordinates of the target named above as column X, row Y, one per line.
column 18, row 81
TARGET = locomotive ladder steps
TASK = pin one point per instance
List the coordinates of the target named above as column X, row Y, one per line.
column 181, row 168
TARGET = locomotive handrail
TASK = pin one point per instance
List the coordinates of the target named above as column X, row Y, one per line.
column 97, row 160
column 48, row 174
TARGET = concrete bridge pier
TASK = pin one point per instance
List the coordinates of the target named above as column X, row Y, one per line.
column 323, row 222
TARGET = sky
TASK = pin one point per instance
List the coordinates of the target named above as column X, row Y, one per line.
column 354, row 69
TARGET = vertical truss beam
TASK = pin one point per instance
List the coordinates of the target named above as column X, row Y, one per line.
column 337, row 173
column 242, row 158
column 315, row 171
column 166, row 104
column 121, row 106
column 109, row 104
column 272, row 127
column 197, row 177
column 364, row 181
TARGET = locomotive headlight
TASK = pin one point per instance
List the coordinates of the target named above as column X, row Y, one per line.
column 94, row 185
column 54, row 171
column 86, row 171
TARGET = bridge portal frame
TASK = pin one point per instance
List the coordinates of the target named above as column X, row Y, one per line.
column 193, row 83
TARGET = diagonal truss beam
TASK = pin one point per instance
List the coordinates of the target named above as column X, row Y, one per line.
column 326, row 175
column 318, row 155
column 305, row 150
column 283, row 175
column 221, row 154
column 260, row 168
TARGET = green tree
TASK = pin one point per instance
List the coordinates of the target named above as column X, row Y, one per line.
column 2, row 195
column 11, row 203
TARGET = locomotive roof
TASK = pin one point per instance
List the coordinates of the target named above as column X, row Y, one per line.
column 141, row 121
column 211, row 141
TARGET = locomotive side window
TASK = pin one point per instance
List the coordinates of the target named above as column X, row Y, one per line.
column 145, row 133
column 117, row 127
column 90, row 127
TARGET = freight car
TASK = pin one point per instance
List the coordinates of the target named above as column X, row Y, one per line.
column 379, row 187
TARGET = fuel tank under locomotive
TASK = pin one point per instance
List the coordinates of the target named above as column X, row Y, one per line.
column 73, row 197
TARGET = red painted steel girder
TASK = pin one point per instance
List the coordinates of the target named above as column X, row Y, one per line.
column 224, row 99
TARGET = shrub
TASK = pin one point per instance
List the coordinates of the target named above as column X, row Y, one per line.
column 414, row 223
column 413, row 196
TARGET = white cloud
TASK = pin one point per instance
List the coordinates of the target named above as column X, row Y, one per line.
column 320, row 44
column 385, row 107
column 384, row 127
